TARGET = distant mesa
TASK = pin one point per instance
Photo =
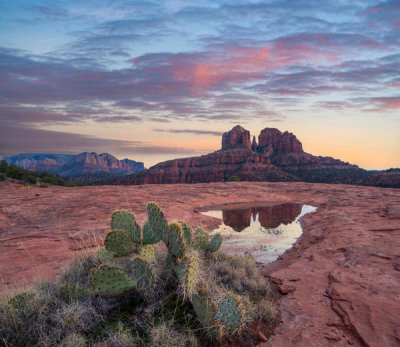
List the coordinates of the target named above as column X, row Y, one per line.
column 278, row 156
column 68, row 165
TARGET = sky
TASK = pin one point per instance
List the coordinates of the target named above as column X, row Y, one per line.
column 157, row 80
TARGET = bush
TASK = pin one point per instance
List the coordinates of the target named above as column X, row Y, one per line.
column 43, row 179
column 3, row 166
column 234, row 179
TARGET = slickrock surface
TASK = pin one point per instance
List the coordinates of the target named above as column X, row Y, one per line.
column 340, row 283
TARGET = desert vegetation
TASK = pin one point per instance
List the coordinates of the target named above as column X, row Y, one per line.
column 159, row 284
column 43, row 179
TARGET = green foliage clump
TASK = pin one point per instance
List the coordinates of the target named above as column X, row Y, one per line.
column 234, row 179
column 42, row 179
column 136, row 292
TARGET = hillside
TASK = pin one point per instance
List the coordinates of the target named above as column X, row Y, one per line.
column 83, row 164
column 276, row 157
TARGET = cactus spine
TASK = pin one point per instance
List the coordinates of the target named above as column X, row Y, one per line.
column 187, row 272
column 176, row 243
column 187, row 232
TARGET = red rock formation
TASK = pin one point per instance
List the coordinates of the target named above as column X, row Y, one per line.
column 272, row 141
column 237, row 137
column 254, row 144
column 213, row 167
column 278, row 157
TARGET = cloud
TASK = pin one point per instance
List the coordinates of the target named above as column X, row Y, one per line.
column 190, row 131
column 23, row 139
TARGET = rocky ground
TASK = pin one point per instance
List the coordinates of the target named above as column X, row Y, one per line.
column 340, row 284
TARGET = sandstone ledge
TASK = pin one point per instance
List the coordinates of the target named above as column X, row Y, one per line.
column 340, row 283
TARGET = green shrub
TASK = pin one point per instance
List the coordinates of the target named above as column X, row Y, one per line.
column 3, row 166
column 234, row 179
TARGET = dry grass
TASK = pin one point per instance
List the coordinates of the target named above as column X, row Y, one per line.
column 47, row 319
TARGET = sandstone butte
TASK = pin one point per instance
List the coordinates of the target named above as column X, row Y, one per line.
column 276, row 157
column 340, row 283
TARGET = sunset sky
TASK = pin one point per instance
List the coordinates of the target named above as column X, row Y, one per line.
column 156, row 80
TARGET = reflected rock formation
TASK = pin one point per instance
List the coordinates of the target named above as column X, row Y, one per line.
column 268, row 216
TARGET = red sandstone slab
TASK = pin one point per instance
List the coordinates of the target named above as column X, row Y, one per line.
column 341, row 281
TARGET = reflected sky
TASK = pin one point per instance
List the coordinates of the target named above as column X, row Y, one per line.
column 264, row 231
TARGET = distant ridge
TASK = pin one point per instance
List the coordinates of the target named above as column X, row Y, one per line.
column 69, row 165
column 276, row 157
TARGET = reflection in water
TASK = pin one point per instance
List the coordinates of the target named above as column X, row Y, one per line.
column 265, row 231
column 268, row 216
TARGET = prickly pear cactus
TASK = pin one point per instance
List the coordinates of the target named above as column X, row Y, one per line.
column 124, row 220
column 205, row 309
column 200, row 232
column 118, row 243
column 143, row 274
column 73, row 293
column 215, row 243
column 157, row 221
column 230, row 312
column 104, row 256
column 148, row 252
column 20, row 300
column 176, row 243
column 187, row 272
column 200, row 243
column 149, row 236
column 110, row 281
column 187, row 232
column 169, row 263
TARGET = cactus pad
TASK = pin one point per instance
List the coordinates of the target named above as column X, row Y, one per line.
column 200, row 231
column 20, row 300
column 143, row 274
column 230, row 312
column 123, row 220
column 104, row 256
column 148, row 252
column 200, row 243
column 73, row 293
column 149, row 236
column 176, row 243
column 169, row 263
column 205, row 309
column 187, row 232
column 187, row 272
column 109, row 280
column 157, row 221
column 215, row 243
column 118, row 243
